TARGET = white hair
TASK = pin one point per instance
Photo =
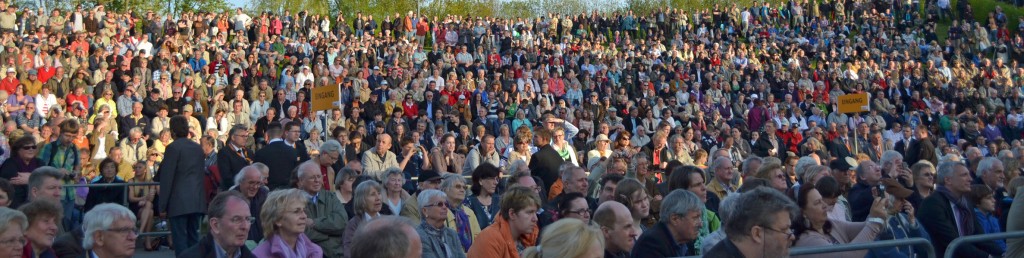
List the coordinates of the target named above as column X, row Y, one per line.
column 100, row 218
column 245, row 171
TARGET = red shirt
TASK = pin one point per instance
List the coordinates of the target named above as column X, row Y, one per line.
column 45, row 73
column 9, row 84
column 327, row 180
column 410, row 109
column 72, row 98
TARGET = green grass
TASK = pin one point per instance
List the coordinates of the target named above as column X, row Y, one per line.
column 981, row 9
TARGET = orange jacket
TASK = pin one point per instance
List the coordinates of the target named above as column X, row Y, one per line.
column 496, row 241
column 556, row 189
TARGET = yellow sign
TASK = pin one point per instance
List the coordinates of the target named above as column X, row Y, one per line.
column 324, row 97
column 854, row 103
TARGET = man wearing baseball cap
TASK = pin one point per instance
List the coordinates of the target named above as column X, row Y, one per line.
column 10, row 81
column 429, row 179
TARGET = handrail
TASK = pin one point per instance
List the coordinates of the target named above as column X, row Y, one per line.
column 861, row 246
column 125, row 201
column 858, row 246
column 979, row 238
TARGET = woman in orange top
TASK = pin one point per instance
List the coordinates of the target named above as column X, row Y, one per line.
column 513, row 231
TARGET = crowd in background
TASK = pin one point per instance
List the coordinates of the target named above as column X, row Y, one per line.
column 711, row 131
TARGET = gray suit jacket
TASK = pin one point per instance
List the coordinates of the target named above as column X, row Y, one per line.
column 181, row 177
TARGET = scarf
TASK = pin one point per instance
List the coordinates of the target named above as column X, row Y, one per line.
column 462, row 224
column 961, row 207
column 704, row 231
column 436, row 233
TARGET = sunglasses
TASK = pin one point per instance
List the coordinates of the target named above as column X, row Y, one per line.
column 30, row 147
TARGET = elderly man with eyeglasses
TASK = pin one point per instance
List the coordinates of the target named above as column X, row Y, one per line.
column 229, row 220
column 249, row 183
column 110, row 231
column 326, row 216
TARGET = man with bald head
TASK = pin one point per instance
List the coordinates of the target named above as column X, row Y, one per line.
column 617, row 225
column 722, row 184
column 249, row 182
column 378, row 159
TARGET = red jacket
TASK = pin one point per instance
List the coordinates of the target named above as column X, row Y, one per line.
column 9, row 84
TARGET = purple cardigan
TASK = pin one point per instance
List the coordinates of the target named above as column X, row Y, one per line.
column 274, row 247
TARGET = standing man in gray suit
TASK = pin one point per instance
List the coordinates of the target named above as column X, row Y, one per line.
column 182, row 195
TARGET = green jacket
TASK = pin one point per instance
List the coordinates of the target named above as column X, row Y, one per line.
column 329, row 219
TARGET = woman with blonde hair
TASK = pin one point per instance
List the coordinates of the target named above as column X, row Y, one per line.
column 568, row 238
column 772, row 172
column 631, row 193
column 140, row 200
column 284, row 220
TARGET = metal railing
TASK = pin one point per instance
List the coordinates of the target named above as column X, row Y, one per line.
column 861, row 246
column 979, row 238
column 858, row 246
column 124, row 202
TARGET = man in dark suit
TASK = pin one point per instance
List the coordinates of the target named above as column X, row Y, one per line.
column 674, row 230
column 279, row 157
column 842, row 146
column 226, row 235
column 546, row 162
column 632, row 121
column 874, row 147
column 939, row 213
column 921, row 148
column 233, row 156
column 429, row 104
column 657, row 151
column 292, row 132
column 769, row 144
column 181, row 176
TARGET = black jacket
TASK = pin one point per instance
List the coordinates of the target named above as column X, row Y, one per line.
column 281, row 159
column 207, row 249
column 656, row 242
column 230, row 162
column 725, row 249
column 104, row 194
column 545, row 164
column 936, row 216
column 70, row 244
column 921, row 150
column 763, row 144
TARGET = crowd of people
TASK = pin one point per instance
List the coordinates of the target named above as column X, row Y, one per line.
column 679, row 132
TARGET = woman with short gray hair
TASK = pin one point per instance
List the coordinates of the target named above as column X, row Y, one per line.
column 438, row 240
column 461, row 217
column 394, row 194
column 367, row 202
column 12, row 230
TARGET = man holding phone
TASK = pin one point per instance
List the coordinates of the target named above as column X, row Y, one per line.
column 869, row 175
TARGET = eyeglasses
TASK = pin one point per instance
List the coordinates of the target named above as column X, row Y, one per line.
column 788, row 231
column 20, row 241
column 29, row 147
column 124, row 230
column 438, row 204
column 580, row 211
column 238, row 220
